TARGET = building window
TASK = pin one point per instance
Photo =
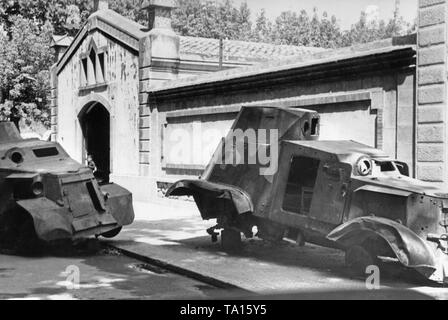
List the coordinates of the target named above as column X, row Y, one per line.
column 93, row 67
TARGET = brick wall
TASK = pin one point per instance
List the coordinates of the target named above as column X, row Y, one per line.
column 431, row 90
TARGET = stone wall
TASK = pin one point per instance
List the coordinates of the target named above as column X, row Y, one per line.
column 376, row 108
column 118, row 94
column 54, row 102
column 158, row 62
column 431, row 91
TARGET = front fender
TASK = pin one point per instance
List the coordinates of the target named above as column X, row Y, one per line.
column 213, row 199
column 410, row 249
column 51, row 221
column 119, row 203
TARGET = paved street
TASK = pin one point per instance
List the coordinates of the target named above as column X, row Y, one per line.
column 173, row 234
column 103, row 275
column 172, row 231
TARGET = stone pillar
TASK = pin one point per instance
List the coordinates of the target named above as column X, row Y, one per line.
column 54, row 102
column 158, row 62
column 144, row 112
column 431, row 91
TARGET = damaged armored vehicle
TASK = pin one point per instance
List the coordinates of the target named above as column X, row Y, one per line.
column 46, row 196
column 340, row 194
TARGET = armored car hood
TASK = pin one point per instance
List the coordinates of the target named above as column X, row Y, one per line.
column 401, row 185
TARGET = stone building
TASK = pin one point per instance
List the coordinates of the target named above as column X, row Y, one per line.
column 130, row 95
column 60, row 45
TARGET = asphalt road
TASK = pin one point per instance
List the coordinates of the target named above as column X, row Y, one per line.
column 103, row 274
column 177, row 236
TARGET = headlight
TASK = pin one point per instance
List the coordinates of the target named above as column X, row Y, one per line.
column 364, row 166
column 26, row 187
column 37, row 188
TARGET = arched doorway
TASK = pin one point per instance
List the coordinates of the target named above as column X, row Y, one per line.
column 95, row 124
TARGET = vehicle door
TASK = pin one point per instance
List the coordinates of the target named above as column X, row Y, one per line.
column 300, row 183
column 331, row 192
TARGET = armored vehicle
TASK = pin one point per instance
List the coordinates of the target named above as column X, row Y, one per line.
column 340, row 194
column 47, row 196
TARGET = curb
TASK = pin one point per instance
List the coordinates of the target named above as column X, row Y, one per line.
column 182, row 271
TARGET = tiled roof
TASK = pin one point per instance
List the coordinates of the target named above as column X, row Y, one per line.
column 294, row 62
column 193, row 48
column 208, row 49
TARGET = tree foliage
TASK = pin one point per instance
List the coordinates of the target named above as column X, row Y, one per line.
column 263, row 28
column 25, row 60
column 211, row 19
column 59, row 13
column 302, row 29
column 221, row 19
column 366, row 31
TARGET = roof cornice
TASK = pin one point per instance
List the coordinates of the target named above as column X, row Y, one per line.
column 261, row 77
column 97, row 22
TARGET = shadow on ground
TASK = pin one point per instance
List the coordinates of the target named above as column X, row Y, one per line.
column 189, row 234
column 188, row 238
column 105, row 274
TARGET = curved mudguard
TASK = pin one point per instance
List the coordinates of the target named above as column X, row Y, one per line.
column 410, row 249
column 53, row 222
column 119, row 203
column 50, row 220
column 212, row 198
